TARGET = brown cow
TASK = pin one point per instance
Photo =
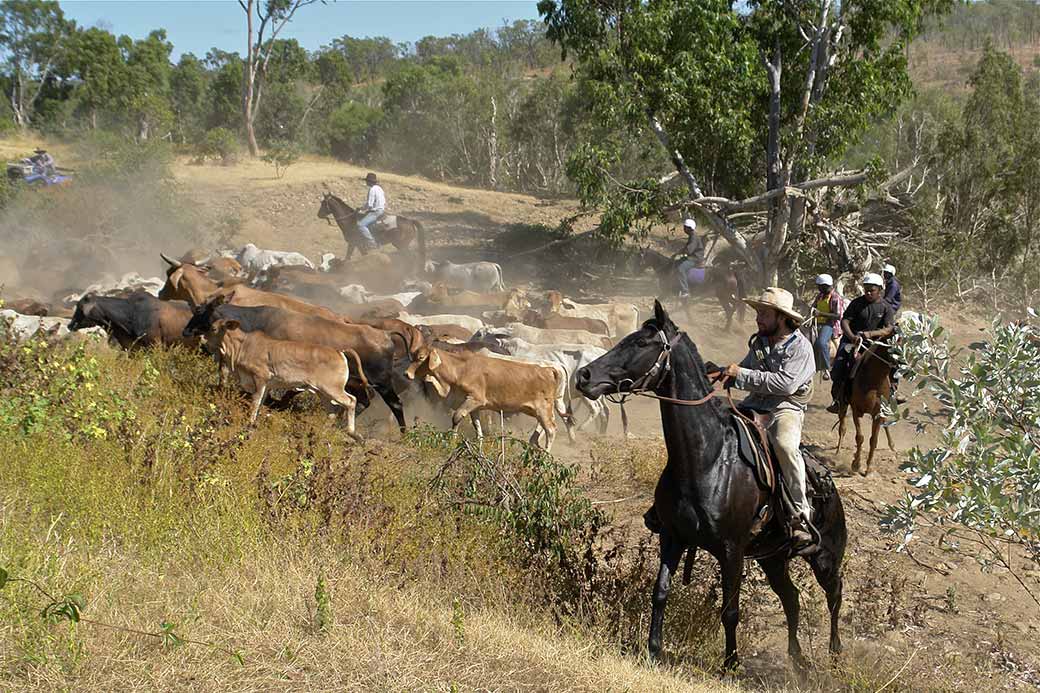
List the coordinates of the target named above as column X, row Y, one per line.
column 28, row 306
column 261, row 362
column 475, row 382
column 473, row 303
column 187, row 282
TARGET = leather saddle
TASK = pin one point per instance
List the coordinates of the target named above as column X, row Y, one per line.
column 387, row 222
column 755, row 449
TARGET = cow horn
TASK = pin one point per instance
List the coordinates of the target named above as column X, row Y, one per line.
column 172, row 263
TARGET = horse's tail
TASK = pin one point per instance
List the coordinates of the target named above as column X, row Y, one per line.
column 501, row 281
column 420, row 241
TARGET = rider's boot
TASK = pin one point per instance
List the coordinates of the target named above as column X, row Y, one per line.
column 802, row 540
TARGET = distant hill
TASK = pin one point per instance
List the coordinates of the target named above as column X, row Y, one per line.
column 945, row 55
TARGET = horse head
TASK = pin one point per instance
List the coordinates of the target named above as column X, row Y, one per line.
column 634, row 361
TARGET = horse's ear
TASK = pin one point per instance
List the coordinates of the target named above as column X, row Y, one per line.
column 661, row 315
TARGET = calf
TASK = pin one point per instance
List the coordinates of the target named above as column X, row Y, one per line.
column 474, row 382
column 568, row 357
column 136, row 321
column 621, row 318
column 476, row 276
column 374, row 346
column 261, row 362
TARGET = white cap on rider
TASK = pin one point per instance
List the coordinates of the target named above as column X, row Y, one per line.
column 890, row 269
column 874, row 279
column 690, row 224
column 824, row 280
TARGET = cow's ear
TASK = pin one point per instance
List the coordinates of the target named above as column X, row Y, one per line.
column 232, row 325
column 434, row 361
column 412, row 368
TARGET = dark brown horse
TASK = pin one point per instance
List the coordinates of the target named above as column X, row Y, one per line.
column 401, row 237
column 722, row 282
column 871, row 385
column 707, row 497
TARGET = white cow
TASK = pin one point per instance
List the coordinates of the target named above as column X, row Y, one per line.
column 22, row 327
column 536, row 335
column 255, row 259
column 131, row 281
column 464, row 321
column 621, row 318
column 475, row 276
column 355, row 293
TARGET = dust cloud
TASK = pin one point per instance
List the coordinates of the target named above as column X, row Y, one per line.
column 55, row 241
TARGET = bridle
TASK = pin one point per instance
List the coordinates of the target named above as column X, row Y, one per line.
column 662, row 366
column 333, row 214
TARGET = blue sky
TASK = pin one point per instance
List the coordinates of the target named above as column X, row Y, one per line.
column 197, row 25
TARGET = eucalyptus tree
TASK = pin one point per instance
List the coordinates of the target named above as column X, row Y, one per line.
column 753, row 103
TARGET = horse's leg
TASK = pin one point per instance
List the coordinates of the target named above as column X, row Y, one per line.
column 776, row 570
column 671, row 552
column 841, row 427
column 350, row 250
column 827, row 569
column 859, row 439
column 732, row 574
column 875, row 428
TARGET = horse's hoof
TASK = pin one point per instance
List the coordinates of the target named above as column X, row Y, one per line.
column 864, row 472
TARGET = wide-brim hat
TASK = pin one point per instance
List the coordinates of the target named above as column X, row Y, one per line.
column 778, row 299
column 371, row 178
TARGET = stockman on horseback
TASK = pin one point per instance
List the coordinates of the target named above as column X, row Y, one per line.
column 778, row 372
column 373, row 209
column 692, row 266
column 866, row 317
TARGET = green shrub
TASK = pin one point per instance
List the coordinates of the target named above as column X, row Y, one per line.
column 281, row 154
column 220, row 143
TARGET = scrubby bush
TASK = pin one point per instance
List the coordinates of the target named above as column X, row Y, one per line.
column 281, row 154
column 983, row 475
column 220, row 143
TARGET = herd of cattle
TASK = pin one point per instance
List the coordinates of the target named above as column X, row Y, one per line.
column 277, row 323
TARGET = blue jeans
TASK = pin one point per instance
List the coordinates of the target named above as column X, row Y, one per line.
column 823, row 344
column 366, row 221
column 686, row 269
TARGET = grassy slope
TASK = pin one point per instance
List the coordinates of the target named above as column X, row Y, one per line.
column 134, row 489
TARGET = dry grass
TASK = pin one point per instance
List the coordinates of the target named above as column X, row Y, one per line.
column 173, row 512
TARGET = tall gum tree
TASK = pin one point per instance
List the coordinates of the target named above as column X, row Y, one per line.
column 265, row 20
column 753, row 103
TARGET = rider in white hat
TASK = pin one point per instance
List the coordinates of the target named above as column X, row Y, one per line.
column 693, row 263
column 867, row 317
column 778, row 372
column 829, row 306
